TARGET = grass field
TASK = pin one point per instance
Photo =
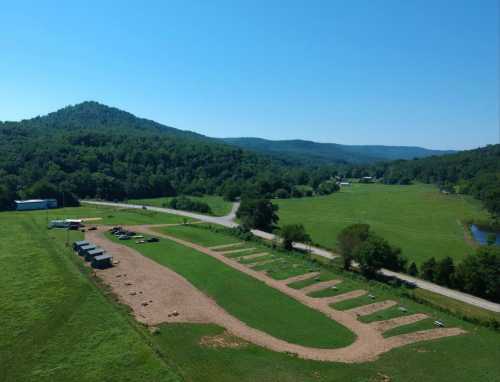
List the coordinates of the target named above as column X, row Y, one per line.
column 107, row 215
column 218, row 205
column 417, row 218
column 55, row 324
column 248, row 299
column 465, row 358
column 58, row 324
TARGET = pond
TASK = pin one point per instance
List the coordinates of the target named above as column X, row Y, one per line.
column 481, row 236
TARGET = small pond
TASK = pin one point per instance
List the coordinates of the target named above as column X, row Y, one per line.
column 481, row 236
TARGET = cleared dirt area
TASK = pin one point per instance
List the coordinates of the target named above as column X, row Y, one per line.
column 165, row 293
column 386, row 325
column 371, row 308
column 320, row 286
column 224, row 246
column 255, row 256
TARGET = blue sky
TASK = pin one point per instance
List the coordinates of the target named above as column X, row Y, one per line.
column 357, row 72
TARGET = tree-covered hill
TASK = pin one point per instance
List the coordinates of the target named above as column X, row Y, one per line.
column 91, row 150
column 328, row 153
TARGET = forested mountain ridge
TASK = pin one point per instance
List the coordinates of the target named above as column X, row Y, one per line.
column 308, row 151
column 91, row 150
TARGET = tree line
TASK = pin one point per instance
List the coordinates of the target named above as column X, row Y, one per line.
column 477, row 274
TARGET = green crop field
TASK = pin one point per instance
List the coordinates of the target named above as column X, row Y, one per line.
column 217, row 204
column 417, row 218
column 57, row 325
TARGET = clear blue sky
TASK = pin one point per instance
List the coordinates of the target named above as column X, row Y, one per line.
column 397, row 72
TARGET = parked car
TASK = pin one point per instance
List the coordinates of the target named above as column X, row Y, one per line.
column 153, row 240
column 123, row 237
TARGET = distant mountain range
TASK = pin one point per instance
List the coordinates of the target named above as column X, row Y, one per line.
column 309, row 151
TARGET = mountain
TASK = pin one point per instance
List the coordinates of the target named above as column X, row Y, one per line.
column 332, row 152
column 92, row 150
column 91, row 115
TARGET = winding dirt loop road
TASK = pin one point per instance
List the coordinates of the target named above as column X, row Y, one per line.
column 156, row 294
column 228, row 221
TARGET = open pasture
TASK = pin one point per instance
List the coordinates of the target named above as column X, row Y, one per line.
column 217, row 204
column 417, row 218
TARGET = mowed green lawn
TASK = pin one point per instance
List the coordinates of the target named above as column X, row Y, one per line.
column 417, row 218
column 248, row 299
column 106, row 215
column 218, row 205
column 55, row 324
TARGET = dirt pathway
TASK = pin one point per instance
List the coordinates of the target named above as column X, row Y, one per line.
column 166, row 293
column 320, row 286
column 365, row 310
column 383, row 326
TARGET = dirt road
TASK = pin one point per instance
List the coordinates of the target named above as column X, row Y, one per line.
column 157, row 294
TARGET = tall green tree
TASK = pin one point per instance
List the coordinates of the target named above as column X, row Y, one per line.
column 376, row 253
column 258, row 214
column 413, row 269
column 428, row 269
column 479, row 273
column 293, row 233
column 445, row 271
column 349, row 239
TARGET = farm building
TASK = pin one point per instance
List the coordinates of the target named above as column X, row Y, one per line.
column 102, row 261
column 35, row 204
column 93, row 253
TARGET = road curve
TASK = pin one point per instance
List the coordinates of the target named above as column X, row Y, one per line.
column 228, row 221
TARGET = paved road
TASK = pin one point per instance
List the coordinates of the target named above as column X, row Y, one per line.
column 228, row 221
